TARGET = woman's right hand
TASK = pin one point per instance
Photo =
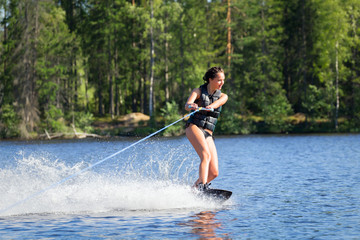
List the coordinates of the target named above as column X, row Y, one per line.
column 191, row 106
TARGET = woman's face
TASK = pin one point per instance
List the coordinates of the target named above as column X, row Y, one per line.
column 218, row 81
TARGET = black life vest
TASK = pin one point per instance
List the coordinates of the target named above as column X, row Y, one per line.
column 206, row 119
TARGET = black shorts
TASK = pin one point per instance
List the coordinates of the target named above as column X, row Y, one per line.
column 206, row 133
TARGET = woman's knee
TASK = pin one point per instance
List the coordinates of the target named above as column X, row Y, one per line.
column 206, row 156
column 214, row 172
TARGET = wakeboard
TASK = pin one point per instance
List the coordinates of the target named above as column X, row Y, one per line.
column 217, row 194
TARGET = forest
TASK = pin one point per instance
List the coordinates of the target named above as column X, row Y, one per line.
column 291, row 66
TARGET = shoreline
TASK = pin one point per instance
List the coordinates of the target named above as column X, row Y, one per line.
column 119, row 137
column 140, row 125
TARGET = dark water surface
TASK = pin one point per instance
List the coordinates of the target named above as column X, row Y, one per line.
column 284, row 187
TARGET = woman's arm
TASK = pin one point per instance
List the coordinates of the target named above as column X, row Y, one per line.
column 195, row 94
column 218, row 103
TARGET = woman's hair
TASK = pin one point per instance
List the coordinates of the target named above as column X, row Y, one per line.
column 211, row 73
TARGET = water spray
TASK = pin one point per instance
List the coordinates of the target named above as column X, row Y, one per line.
column 99, row 162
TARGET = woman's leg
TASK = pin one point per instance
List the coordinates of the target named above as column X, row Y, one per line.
column 197, row 139
column 214, row 164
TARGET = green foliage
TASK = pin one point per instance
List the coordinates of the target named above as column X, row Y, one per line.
column 9, row 122
column 275, row 108
column 170, row 113
column 54, row 120
column 83, row 120
column 232, row 123
column 316, row 102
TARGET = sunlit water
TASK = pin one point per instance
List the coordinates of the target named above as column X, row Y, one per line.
column 284, row 187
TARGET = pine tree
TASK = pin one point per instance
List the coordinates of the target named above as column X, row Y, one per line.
column 330, row 50
column 5, row 82
column 351, row 87
column 55, row 47
column 259, row 69
column 24, row 32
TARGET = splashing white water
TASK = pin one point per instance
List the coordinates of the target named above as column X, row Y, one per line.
column 151, row 186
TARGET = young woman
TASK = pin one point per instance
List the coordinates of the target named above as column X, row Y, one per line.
column 201, row 125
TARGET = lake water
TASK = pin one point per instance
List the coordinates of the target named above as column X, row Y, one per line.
column 284, row 187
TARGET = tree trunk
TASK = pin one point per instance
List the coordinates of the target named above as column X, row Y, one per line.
column 30, row 59
column 76, row 80
column 117, row 112
column 141, row 89
column 5, row 35
column 110, row 68
column 228, row 46
column 3, row 84
column 116, row 77
column 86, row 90
column 304, row 53
column 100, row 95
column 110, row 79
column 152, row 61
column 355, row 72
column 167, row 94
column 182, row 87
column 337, row 84
column 263, row 43
column 145, row 83
column 133, row 90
